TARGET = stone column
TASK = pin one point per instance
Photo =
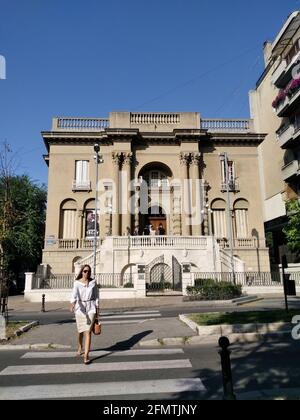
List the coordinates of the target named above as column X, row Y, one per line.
column 196, row 194
column 126, row 193
column 185, row 225
column 116, row 157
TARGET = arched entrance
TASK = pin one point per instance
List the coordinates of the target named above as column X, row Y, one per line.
column 156, row 198
column 156, row 218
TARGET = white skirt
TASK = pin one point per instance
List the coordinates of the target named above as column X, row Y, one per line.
column 85, row 322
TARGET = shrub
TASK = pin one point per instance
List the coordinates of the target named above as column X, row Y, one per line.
column 211, row 290
column 128, row 285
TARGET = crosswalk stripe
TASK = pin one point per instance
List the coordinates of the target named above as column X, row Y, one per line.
column 102, row 389
column 130, row 313
column 96, row 367
column 65, row 355
column 154, row 315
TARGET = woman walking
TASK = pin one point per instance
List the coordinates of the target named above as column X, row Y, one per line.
column 85, row 304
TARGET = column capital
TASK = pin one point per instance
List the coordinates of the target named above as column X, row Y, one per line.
column 117, row 158
column 195, row 158
column 185, row 158
column 128, row 158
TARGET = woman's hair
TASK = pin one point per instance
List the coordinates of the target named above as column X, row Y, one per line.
column 80, row 275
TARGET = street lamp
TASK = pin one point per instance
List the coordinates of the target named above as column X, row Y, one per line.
column 98, row 160
column 224, row 157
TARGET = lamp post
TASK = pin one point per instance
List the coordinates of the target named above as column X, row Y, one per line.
column 224, row 156
column 98, row 161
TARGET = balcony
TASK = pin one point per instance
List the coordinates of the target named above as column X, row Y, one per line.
column 81, row 186
column 290, row 170
column 285, row 135
column 278, row 75
column 227, row 125
column 233, row 186
column 287, row 100
column 80, row 124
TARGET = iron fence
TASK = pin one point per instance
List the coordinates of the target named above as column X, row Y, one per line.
column 249, row 279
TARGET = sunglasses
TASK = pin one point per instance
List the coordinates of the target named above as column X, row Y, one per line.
column 86, row 271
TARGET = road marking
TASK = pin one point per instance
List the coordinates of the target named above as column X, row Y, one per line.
column 129, row 313
column 96, row 367
column 102, row 389
column 65, row 355
column 153, row 315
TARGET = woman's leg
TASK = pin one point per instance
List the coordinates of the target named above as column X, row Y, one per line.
column 88, row 339
column 80, row 343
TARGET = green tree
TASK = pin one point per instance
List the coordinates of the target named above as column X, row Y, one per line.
column 292, row 231
column 22, row 222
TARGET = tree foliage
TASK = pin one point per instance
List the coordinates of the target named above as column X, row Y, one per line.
column 292, row 231
column 22, row 220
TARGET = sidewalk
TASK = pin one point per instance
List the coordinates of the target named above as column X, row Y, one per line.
column 17, row 304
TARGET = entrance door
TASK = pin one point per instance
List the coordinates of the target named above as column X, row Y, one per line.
column 156, row 221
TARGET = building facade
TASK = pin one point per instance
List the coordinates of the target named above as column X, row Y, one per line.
column 195, row 181
column 275, row 109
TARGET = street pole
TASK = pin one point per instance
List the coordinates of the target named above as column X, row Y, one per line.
column 229, row 218
column 97, row 157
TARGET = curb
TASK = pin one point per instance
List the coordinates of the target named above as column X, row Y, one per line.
column 42, row 346
column 26, row 328
column 250, row 333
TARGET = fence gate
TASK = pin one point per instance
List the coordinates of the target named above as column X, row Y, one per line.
column 177, row 274
column 160, row 277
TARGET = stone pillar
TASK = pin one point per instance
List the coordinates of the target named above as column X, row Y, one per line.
column 29, row 277
column 187, row 277
column 140, row 281
column 196, row 194
column 126, row 194
column 137, row 207
column 116, row 201
column 185, row 226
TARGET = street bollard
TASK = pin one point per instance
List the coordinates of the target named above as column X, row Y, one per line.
column 226, row 369
column 43, row 303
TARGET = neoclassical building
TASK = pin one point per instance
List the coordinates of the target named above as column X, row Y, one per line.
column 168, row 170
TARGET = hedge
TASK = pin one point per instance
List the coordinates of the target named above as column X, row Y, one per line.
column 211, row 290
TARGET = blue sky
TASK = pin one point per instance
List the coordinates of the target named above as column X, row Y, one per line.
column 87, row 58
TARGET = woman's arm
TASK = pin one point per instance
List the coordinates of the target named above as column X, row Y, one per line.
column 73, row 299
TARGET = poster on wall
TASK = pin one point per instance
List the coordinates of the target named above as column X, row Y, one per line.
column 90, row 224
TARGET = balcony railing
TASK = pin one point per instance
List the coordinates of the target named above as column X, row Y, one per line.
column 279, row 73
column 73, row 244
column 154, row 119
column 239, row 243
column 81, row 186
column 139, row 242
column 80, row 124
column 290, row 170
column 227, row 125
column 285, row 134
column 233, row 186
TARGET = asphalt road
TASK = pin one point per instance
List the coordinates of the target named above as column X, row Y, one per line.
column 255, row 367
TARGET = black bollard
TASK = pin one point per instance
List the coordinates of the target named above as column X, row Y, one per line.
column 43, row 303
column 226, row 369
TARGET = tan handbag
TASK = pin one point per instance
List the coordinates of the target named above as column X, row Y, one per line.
column 97, row 328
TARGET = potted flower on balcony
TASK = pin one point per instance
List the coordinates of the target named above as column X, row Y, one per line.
column 279, row 98
column 293, row 87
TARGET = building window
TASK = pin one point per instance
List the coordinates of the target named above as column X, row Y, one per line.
column 69, row 224
column 90, row 224
column 219, row 218
column 231, row 176
column 241, row 219
column 156, row 179
column 82, row 176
